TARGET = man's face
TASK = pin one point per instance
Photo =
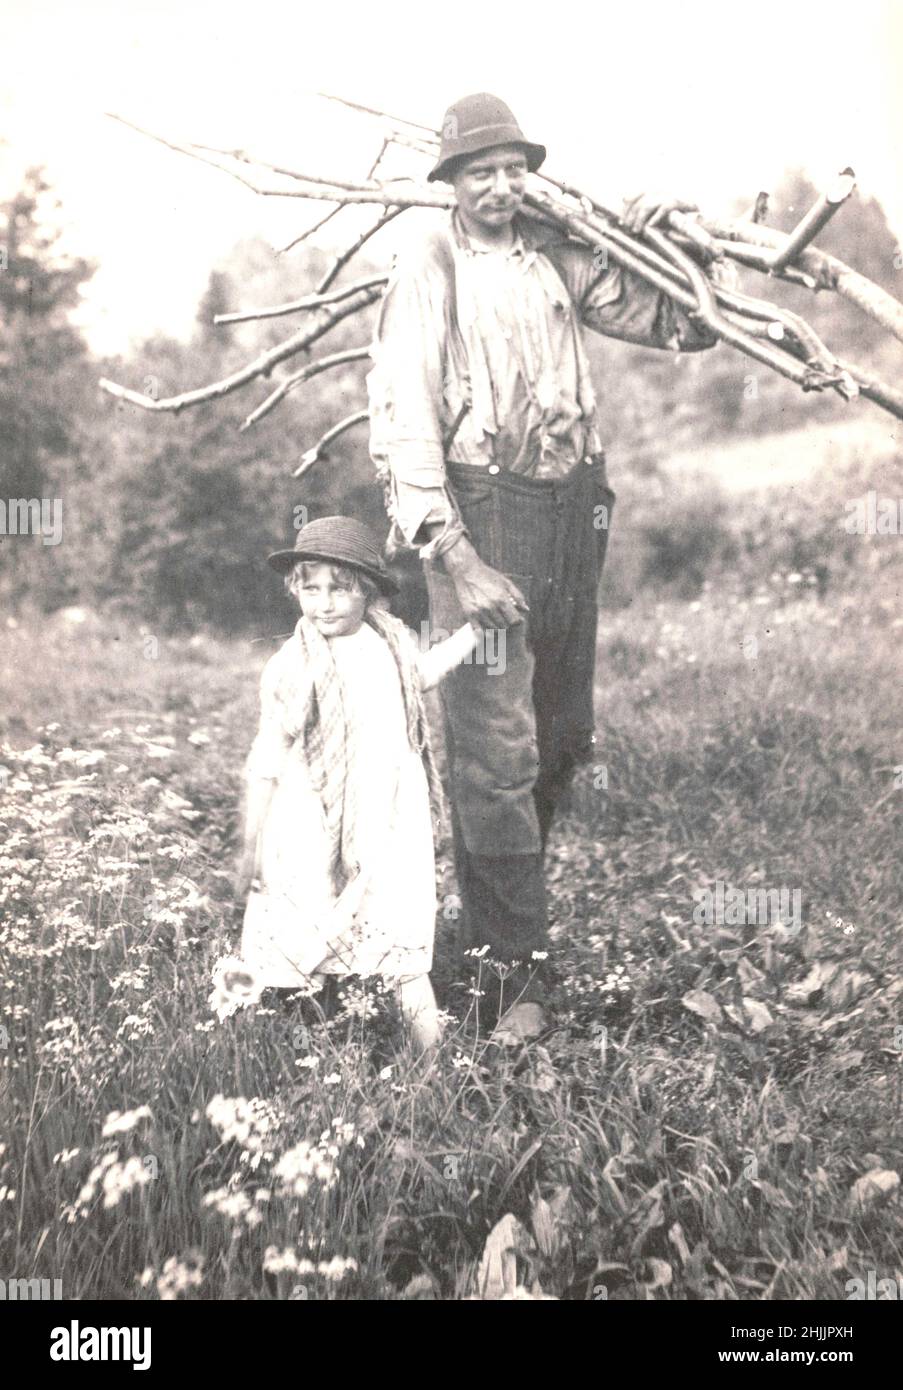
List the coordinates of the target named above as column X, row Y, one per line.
column 490, row 186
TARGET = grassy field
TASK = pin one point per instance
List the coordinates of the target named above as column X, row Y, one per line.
column 694, row 1126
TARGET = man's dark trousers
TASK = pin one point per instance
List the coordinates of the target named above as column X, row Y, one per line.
column 519, row 716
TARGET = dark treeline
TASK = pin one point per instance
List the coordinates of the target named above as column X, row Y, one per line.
column 169, row 518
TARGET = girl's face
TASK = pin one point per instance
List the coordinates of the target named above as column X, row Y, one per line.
column 334, row 608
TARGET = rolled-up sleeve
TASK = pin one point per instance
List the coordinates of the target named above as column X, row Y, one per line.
column 621, row 304
column 405, row 389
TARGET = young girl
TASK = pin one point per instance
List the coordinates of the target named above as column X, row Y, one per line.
column 338, row 845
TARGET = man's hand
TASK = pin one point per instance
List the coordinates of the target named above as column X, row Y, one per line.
column 486, row 596
column 649, row 209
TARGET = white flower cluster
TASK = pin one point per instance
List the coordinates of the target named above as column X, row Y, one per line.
column 115, row 1178
column 234, row 1206
column 177, row 1276
column 249, row 1123
column 303, row 1164
column 286, row 1261
column 121, row 1121
column 131, row 979
column 358, row 1002
column 136, row 1026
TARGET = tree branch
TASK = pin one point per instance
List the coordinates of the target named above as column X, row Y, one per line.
column 322, row 364
column 659, row 260
column 818, row 216
column 296, row 241
column 310, row 301
column 828, row 271
column 260, row 366
column 362, row 240
column 319, row 450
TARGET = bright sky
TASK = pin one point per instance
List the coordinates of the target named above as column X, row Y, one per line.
column 703, row 98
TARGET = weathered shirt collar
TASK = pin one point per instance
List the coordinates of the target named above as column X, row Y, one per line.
column 528, row 236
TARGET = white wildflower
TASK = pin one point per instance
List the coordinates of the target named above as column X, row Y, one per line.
column 66, row 1156
column 120, row 1178
column 277, row 1261
column 120, row 1122
column 336, row 1268
column 235, row 986
column 178, row 1276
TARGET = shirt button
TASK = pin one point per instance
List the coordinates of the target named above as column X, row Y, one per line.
column 493, row 468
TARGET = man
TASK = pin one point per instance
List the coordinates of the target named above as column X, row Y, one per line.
column 483, row 429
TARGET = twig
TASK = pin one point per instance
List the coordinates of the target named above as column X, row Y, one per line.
column 318, row 451
column 378, row 160
column 346, row 256
column 409, row 142
column 383, row 115
column 827, row 271
column 823, row 371
column 815, row 219
column 241, row 157
column 776, row 323
column 878, row 391
column 772, row 322
column 260, row 366
column 757, row 258
column 811, row 378
column 816, row 267
column 310, row 301
column 296, row 241
column 311, row 190
column 322, row 364
column 699, row 300
column 663, row 264
column 693, row 230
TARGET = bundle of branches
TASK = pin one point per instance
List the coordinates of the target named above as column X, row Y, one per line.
column 676, row 258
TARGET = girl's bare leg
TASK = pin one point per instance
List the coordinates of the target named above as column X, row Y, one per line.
column 418, row 1006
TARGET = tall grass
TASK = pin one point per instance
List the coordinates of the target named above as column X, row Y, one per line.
column 667, row 1139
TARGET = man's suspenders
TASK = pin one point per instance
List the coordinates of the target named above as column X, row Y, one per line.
column 447, row 261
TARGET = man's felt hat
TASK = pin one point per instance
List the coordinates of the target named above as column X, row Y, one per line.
column 477, row 123
column 338, row 540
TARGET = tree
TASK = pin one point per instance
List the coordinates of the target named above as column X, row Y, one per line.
column 44, row 372
column 190, row 505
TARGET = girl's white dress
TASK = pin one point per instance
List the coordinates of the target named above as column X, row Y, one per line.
column 393, row 931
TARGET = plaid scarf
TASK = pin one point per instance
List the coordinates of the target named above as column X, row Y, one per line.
column 320, row 721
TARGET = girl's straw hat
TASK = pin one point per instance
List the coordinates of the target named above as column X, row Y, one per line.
column 339, row 540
